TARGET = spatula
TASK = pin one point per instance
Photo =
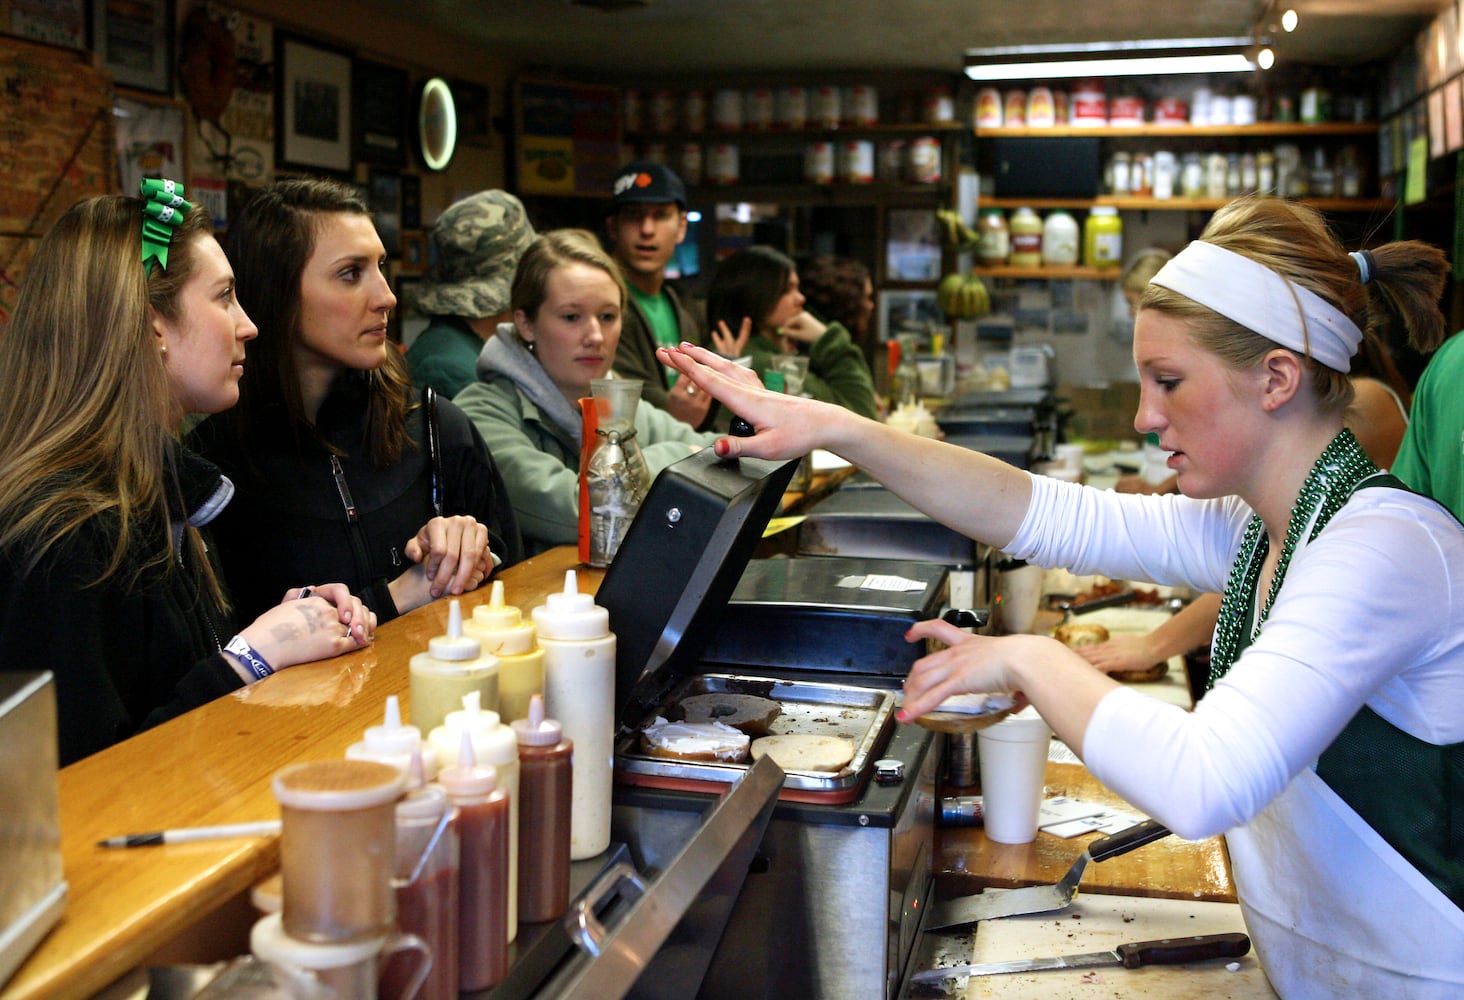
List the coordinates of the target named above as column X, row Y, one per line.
column 1042, row 898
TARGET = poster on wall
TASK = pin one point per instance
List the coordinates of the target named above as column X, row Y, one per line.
column 569, row 138
column 54, row 22
column 150, row 141
column 134, row 41
column 313, row 115
column 226, row 68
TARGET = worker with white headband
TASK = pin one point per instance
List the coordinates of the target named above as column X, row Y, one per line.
column 1329, row 748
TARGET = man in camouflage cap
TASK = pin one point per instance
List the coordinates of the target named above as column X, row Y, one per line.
column 476, row 245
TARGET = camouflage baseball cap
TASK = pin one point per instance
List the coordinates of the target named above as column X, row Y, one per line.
column 476, row 245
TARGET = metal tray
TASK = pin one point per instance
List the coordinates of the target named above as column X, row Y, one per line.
column 864, row 715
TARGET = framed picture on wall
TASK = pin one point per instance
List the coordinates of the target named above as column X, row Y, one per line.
column 312, row 105
column 151, row 141
column 134, row 41
column 414, row 252
column 385, row 199
column 54, row 22
column 902, row 312
column 381, row 101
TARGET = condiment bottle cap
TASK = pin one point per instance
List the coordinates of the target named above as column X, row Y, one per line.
column 499, row 626
column 427, row 802
column 571, row 614
column 468, row 777
column 391, row 736
column 537, row 731
column 454, row 645
column 338, row 785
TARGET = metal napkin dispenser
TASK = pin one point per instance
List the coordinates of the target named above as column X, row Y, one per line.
column 32, row 890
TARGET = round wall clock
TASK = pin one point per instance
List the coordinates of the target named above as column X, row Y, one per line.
column 436, row 124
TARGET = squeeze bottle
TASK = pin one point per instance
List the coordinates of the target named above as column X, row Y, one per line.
column 483, row 824
column 427, row 866
column 453, row 665
column 545, row 805
column 503, row 632
column 579, row 691
column 393, row 743
column 495, row 744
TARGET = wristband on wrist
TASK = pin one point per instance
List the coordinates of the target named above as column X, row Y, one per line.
column 256, row 664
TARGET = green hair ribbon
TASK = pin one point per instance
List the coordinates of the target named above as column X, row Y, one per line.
column 163, row 209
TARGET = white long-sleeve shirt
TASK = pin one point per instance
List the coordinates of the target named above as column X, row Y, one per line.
column 1371, row 612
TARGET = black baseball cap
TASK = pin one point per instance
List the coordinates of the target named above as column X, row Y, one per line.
column 646, row 183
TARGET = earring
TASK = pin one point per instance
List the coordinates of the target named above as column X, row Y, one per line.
column 530, row 345
column 165, row 348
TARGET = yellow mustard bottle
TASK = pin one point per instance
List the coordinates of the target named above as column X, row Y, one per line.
column 504, row 633
column 1103, row 237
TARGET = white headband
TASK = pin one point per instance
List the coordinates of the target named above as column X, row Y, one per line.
column 1261, row 300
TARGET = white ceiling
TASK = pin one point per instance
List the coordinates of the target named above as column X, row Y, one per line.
column 727, row 37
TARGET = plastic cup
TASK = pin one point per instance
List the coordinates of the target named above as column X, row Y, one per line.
column 1020, row 588
column 1013, row 766
column 616, row 398
column 337, row 849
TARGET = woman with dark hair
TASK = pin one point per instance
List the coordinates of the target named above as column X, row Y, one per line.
column 840, row 290
column 756, row 290
column 344, row 469
column 105, row 575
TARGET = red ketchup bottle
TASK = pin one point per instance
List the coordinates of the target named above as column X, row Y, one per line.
column 546, row 778
column 482, row 824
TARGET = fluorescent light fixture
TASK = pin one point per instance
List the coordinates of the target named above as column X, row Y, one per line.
column 1135, row 58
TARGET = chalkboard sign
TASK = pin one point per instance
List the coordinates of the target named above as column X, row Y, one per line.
column 56, row 147
column 568, row 138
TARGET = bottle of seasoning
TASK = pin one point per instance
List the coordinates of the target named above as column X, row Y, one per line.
column 483, row 826
column 493, row 744
column 1060, row 239
column 545, row 803
column 395, row 744
column 1103, row 237
column 1192, row 176
column 1026, row 229
column 453, row 666
column 994, row 247
column 427, row 865
column 1120, row 173
column 988, row 108
column 579, row 691
column 501, row 628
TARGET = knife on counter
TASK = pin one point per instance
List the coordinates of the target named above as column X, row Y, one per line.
column 1168, row 951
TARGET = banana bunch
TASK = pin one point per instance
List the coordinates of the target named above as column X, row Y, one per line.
column 954, row 233
column 963, row 296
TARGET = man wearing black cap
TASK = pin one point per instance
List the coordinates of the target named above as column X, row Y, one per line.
column 644, row 223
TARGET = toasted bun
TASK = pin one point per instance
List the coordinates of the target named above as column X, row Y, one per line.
column 747, row 712
column 1075, row 635
column 805, row 751
column 702, row 741
column 1153, row 673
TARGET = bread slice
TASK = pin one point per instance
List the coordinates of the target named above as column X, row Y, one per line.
column 805, row 751
column 694, row 741
column 1074, row 634
column 749, row 713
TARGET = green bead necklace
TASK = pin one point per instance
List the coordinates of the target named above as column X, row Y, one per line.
column 1341, row 466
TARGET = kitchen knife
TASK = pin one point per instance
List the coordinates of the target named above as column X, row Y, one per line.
column 1169, row 951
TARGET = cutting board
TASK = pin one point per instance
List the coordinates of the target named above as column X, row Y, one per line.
column 1099, row 922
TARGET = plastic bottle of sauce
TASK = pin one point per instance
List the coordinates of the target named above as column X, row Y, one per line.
column 453, row 665
column 395, row 744
column 1026, row 230
column 493, row 744
column 1103, row 237
column 427, row 864
column 1061, row 239
column 483, row 825
column 994, row 248
column 505, row 635
column 545, row 804
column 579, row 691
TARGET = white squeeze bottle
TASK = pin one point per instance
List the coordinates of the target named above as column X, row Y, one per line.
column 496, row 744
column 453, row 666
column 579, row 691
column 503, row 632
column 395, row 744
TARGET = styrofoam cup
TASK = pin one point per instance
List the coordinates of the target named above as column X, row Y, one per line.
column 1013, row 755
column 1021, row 591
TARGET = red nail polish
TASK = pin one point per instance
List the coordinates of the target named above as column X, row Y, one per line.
column 722, row 448
column 901, row 716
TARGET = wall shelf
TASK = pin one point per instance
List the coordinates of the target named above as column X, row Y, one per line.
column 878, row 193
column 1051, row 271
column 892, row 130
column 1260, row 129
column 1130, row 203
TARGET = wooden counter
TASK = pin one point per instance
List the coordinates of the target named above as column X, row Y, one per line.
column 213, row 765
column 1178, row 869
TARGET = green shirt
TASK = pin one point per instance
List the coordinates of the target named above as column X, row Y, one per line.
column 1431, row 457
column 662, row 317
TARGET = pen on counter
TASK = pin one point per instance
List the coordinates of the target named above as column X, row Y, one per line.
column 186, row 834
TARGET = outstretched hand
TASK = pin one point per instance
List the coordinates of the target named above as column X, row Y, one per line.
column 729, row 345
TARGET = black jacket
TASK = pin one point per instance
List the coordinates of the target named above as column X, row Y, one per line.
column 288, row 526
column 126, row 654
